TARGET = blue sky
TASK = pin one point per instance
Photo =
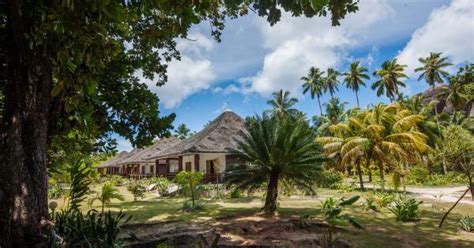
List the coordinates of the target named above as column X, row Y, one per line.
column 255, row 59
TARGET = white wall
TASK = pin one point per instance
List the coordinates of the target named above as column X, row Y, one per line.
column 217, row 157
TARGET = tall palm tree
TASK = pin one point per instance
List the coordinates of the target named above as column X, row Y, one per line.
column 314, row 84
column 390, row 75
column 276, row 149
column 182, row 132
column 354, row 78
column 432, row 69
column 106, row 195
column 282, row 103
column 332, row 81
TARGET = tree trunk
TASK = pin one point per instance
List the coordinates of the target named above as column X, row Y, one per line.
column 370, row 175
column 272, row 194
column 449, row 211
column 357, row 98
column 23, row 137
column 369, row 171
column 320, row 108
column 471, row 186
column 361, row 181
column 382, row 177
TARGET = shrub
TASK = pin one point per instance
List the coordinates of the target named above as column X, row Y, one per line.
column 116, row 180
column 383, row 199
column 235, row 193
column 467, row 223
column 370, row 202
column 137, row 190
column 330, row 179
column 188, row 181
column 56, row 191
column 90, row 230
column 406, row 209
column 162, row 185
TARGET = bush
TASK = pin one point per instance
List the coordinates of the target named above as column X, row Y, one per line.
column 137, row 190
column 406, row 209
column 330, row 179
column 162, row 185
column 467, row 223
column 56, row 191
column 116, row 180
column 235, row 193
column 419, row 175
column 90, row 230
column 379, row 200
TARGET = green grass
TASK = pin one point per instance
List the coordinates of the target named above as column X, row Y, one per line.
column 381, row 229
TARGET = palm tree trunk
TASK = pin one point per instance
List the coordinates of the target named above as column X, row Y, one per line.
column 357, row 98
column 382, row 177
column 320, row 108
column 272, row 194
column 367, row 165
column 103, row 206
column 361, row 181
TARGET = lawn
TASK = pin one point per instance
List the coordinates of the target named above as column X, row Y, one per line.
column 381, row 229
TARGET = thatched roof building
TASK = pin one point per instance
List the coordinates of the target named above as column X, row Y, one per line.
column 222, row 135
column 144, row 155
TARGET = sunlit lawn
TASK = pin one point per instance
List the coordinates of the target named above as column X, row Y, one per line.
column 381, row 229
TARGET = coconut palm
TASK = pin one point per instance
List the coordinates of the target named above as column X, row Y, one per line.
column 314, row 84
column 334, row 114
column 390, row 75
column 458, row 93
column 432, row 69
column 182, row 132
column 332, row 81
column 354, row 78
column 282, row 103
column 107, row 194
column 276, row 149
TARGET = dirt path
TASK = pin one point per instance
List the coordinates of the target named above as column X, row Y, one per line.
column 443, row 193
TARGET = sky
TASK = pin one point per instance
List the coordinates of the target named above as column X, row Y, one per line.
column 255, row 59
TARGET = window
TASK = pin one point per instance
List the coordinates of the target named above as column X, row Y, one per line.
column 188, row 166
column 210, row 166
column 174, row 165
column 143, row 170
column 151, row 169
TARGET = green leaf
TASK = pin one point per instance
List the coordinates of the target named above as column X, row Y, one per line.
column 57, row 89
column 349, row 201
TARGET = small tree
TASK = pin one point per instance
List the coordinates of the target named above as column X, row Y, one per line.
column 137, row 190
column 106, row 195
column 188, row 181
column 333, row 212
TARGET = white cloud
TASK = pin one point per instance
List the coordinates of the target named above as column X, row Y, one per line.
column 449, row 29
column 185, row 78
column 295, row 44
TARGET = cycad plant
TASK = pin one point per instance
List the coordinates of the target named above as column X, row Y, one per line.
column 107, row 194
column 276, row 149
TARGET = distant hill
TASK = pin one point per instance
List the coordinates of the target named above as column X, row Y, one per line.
column 431, row 94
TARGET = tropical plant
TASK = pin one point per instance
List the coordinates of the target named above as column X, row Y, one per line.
column 333, row 215
column 276, row 149
column 460, row 89
column 334, row 114
column 432, row 69
column 182, row 132
column 79, row 174
column 188, row 181
column 107, row 194
column 93, row 229
column 330, row 178
column 406, row 209
column 137, row 190
column 332, row 81
column 390, row 75
column 314, row 84
column 282, row 104
column 355, row 77
column 162, row 184
column 467, row 223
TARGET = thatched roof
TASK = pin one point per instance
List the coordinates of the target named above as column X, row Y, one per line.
column 113, row 161
column 222, row 135
column 154, row 150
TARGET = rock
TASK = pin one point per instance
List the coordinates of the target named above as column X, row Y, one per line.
column 197, row 239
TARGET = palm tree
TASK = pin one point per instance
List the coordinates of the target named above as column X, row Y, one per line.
column 282, row 103
column 182, row 132
column 390, row 75
column 276, row 149
column 334, row 114
column 432, row 69
column 457, row 93
column 332, row 81
column 354, row 78
column 314, row 84
column 108, row 193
